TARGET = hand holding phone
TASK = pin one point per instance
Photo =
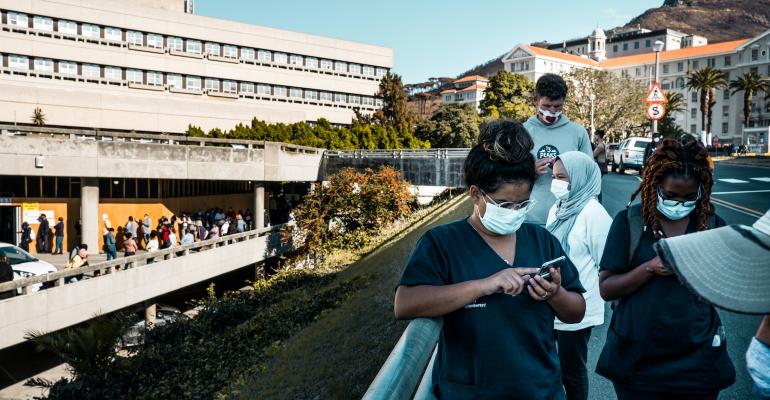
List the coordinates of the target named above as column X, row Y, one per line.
column 545, row 269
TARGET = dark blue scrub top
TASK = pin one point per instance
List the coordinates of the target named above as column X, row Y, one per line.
column 501, row 346
column 660, row 337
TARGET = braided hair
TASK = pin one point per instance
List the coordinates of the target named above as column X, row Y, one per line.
column 673, row 158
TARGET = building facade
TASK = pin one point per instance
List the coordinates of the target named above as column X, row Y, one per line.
column 151, row 65
column 466, row 90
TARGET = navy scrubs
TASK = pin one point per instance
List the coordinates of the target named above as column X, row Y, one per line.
column 661, row 338
column 501, row 346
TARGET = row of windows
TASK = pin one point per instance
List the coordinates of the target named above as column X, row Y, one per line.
column 177, row 81
column 191, row 46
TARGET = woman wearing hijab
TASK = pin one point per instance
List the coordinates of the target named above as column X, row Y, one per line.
column 581, row 224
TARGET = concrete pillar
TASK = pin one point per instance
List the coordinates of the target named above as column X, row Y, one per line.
column 89, row 213
column 150, row 314
column 259, row 205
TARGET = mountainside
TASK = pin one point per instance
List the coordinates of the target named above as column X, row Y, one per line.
column 717, row 20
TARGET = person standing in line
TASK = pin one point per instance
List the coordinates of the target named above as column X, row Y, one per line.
column 78, row 260
column 59, row 235
column 110, row 247
column 171, row 237
column 213, row 232
column 225, row 229
column 152, row 246
column 129, row 245
column 600, row 154
column 107, row 223
column 240, row 224
column 131, row 227
column 188, row 237
column 203, row 233
column 43, row 234
column 146, row 229
column 663, row 342
column 581, row 224
column 77, row 248
column 552, row 133
column 26, row 236
column 6, row 275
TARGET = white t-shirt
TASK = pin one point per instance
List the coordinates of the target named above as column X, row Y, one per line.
column 586, row 246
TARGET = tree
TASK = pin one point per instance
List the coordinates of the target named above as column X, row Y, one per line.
column 706, row 81
column 667, row 126
column 749, row 83
column 395, row 110
column 508, row 96
column 453, row 125
column 618, row 105
column 38, row 118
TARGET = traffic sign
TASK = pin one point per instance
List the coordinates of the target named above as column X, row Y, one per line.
column 656, row 111
column 656, row 95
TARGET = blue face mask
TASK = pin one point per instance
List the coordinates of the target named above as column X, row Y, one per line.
column 758, row 364
column 505, row 218
column 674, row 209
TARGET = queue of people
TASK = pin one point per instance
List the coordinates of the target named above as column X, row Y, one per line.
column 518, row 317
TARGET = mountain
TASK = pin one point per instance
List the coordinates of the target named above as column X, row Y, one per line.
column 717, row 20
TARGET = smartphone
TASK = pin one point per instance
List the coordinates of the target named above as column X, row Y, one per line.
column 545, row 269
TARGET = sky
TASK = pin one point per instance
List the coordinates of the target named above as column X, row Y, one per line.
column 433, row 38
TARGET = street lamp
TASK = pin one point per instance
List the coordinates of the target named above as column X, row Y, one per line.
column 658, row 47
column 592, row 97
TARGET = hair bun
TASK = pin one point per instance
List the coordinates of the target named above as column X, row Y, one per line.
column 506, row 141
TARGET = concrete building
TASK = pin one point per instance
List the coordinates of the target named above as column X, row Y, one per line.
column 151, row 65
column 734, row 58
column 466, row 90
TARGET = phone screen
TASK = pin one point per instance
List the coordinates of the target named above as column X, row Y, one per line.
column 545, row 269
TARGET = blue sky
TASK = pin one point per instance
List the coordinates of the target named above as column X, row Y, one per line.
column 433, row 37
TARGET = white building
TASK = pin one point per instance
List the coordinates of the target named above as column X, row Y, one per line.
column 151, row 65
column 466, row 90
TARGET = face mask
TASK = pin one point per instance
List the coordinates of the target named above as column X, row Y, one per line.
column 548, row 116
column 675, row 210
column 758, row 364
column 560, row 189
column 503, row 221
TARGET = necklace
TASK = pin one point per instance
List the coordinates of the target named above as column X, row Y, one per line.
column 482, row 237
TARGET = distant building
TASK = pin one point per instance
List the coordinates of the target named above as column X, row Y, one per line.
column 466, row 90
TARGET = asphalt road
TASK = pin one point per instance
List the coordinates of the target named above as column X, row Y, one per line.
column 741, row 195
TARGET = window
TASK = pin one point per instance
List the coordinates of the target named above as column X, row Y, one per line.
column 726, row 95
column 295, row 93
column 134, row 76
column 174, row 81
column 369, row 101
column 648, row 43
column 679, row 67
column 695, row 64
column 281, row 58
column 43, row 64
column 680, row 83
column 368, row 71
column 724, row 127
column 135, row 38
column 326, row 96
column 340, row 66
column 665, row 68
column 154, row 40
column 728, row 61
column 175, row 43
column 693, row 113
column 43, row 24
column 711, row 62
column 625, row 46
column 18, row 19
column 229, row 51
column 725, row 111
column 381, row 72
column 666, row 85
column 154, row 78
column 295, row 59
column 339, row 98
column 694, row 97
column 91, row 71
column 311, row 94
column 264, row 55
column 69, row 27
column 230, row 87
column 692, row 129
column 754, row 54
column 89, row 30
column 115, row 34
column 615, row 48
column 212, row 48
column 354, row 99
column 264, row 89
column 193, row 83
column 68, row 68
column 354, row 69
column 727, row 76
column 194, row 46
column 279, row 91
column 636, row 45
column 114, row 73
column 212, row 85
column 638, row 72
column 326, row 64
column 247, row 53
column 378, row 102
column 311, row 62
column 247, row 87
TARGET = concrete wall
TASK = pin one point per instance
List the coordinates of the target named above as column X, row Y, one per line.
column 59, row 307
column 442, row 172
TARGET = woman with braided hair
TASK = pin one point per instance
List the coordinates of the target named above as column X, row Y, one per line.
column 663, row 341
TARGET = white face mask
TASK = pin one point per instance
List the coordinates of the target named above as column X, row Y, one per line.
column 560, row 189
column 549, row 117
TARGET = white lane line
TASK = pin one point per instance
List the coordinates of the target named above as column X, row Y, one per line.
column 743, row 192
column 763, row 179
column 731, row 180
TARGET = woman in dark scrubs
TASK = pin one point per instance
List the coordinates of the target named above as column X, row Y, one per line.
column 663, row 341
column 497, row 340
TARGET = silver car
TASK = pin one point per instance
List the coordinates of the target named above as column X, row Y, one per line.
column 630, row 154
column 24, row 265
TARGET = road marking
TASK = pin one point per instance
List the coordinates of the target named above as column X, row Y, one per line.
column 743, row 192
column 763, row 179
column 731, row 180
column 739, row 208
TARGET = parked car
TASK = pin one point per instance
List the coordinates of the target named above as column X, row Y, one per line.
column 611, row 149
column 164, row 314
column 24, row 265
column 630, row 154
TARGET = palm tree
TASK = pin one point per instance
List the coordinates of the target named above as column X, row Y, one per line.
column 676, row 102
column 668, row 127
column 706, row 81
column 749, row 83
column 38, row 118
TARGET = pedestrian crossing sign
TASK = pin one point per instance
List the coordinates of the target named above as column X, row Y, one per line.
column 656, row 95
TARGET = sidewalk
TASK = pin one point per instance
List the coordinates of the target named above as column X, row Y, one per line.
column 759, row 161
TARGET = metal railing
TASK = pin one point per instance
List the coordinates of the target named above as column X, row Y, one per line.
column 408, row 371
column 405, row 153
column 59, row 278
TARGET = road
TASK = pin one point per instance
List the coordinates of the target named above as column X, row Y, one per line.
column 741, row 194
